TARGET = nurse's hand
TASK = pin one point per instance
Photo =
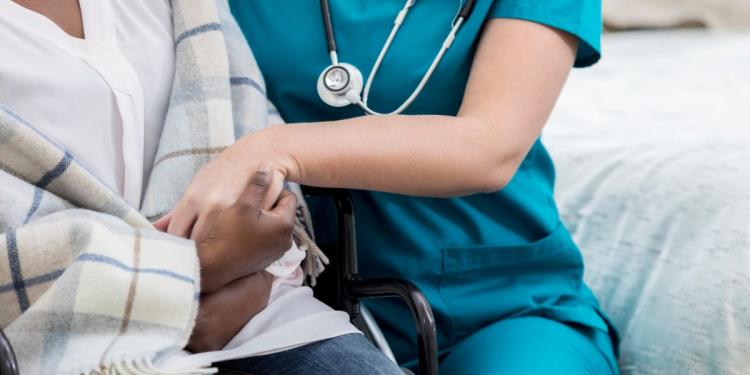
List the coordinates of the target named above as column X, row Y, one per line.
column 222, row 314
column 220, row 183
column 244, row 237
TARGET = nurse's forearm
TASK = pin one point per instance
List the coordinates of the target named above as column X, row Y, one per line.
column 518, row 72
column 416, row 155
column 516, row 76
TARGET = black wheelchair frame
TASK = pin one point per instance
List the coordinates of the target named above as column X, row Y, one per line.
column 8, row 365
column 350, row 289
column 348, row 292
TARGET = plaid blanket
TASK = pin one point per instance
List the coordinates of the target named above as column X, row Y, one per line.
column 87, row 285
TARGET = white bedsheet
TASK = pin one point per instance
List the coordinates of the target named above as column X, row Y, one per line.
column 653, row 154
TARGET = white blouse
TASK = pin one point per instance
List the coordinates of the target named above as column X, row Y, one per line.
column 121, row 74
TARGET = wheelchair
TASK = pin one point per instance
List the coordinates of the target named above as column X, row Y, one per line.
column 343, row 289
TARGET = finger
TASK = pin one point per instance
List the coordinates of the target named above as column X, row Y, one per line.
column 286, row 208
column 257, row 186
column 183, row 218
column 163, row 222
column 274, row 191
column 203, row 225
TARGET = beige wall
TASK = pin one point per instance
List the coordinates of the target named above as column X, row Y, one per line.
column 720, row 14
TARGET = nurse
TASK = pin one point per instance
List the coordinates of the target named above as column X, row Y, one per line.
column 455, row 193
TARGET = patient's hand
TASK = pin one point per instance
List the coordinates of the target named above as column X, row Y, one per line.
column 243, row 238
column 222, row 314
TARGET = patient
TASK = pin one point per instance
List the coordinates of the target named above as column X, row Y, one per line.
column 95, row 78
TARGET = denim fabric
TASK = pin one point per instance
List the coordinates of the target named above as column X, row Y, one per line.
column 349, row 354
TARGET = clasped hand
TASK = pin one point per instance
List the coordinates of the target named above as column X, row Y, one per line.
column 235, row 243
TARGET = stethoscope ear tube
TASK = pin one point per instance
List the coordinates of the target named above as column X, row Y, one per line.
column 466, row 9
column 328, row 24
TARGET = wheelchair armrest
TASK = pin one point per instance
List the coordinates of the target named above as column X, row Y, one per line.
column 418, row 305
column 8, row 365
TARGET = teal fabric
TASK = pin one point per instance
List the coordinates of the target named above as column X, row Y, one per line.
column 481, row 258
column 581, row 18
column 530, row 346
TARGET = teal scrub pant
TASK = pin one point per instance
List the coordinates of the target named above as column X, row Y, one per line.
column 530, row 346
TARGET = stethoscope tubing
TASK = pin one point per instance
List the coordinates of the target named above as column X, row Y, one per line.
column 362, row 101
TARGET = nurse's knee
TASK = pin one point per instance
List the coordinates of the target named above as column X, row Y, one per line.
column 529, row 346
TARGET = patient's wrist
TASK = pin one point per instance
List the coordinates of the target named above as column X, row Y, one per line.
column 211, row 277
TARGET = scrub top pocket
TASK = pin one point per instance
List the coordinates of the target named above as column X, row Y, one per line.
column 483, row 284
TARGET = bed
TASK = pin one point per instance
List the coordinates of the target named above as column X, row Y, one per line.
column 652, row 148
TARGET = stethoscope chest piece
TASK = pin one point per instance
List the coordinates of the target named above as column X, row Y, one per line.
column 340, row 85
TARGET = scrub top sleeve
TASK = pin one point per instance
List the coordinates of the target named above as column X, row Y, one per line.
column 582, row 18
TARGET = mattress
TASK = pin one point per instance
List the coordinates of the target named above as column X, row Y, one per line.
column 652, row 148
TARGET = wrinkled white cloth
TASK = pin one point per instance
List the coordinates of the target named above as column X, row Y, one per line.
column 652, row 149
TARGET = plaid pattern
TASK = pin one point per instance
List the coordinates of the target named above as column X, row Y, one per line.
column 87, row 285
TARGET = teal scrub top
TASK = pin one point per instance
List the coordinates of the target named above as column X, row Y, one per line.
column 478, row 258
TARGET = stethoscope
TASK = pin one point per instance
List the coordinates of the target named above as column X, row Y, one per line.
column 340, row 84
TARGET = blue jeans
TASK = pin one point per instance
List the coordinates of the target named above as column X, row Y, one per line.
column 349, row 354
